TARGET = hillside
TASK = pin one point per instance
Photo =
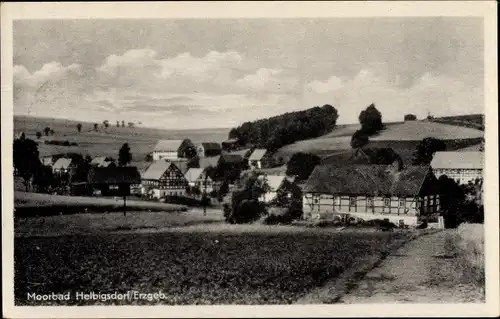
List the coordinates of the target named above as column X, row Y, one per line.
column 108, row 142
column 401, row 135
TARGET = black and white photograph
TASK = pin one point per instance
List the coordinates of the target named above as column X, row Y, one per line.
column 285, row 159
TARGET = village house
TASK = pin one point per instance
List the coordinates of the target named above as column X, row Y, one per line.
column 181, row 163
column 114, row 181
column 401, row 195
column 207, row 149
column 258, row 159
column 63, row 166
column 102, row 161
column 230, row 144
column 164, row 178
column 278, row 184
column 171, row 149
column 463, row 167
column 197, row 177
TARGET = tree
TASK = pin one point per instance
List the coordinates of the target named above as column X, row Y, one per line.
column 451, row 198
column 425, row 150
column 193, row 162
column 117, row 123
column 96, row 126
column 371, row 120
column 26, row 159
column 79, row 127
column 123, row 123
column 410, row 117
column 105, row 123
column 149, row 157
column 52, row 132
column 38, row 135
column 46, row 130
column 359, row 139
column 124, row 155
column 302, row 165
column 44, row 179
column 130, row 124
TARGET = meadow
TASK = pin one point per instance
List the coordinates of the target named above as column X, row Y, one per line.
column 191, row 267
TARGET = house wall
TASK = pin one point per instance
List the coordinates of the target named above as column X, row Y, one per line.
column 319, row 204
column 255, row 164
column 461, row 176
column 159, row 155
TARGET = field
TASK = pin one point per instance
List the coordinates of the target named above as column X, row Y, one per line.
column 50, row 204
column 400, row 136
column 191, row 267
column 107, row 142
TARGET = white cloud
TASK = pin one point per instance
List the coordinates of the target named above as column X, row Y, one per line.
column 49, row 72
column 440, row 95
column 268, row 80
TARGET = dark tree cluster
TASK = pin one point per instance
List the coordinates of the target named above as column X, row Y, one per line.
column 410, row 117
column 371, row 123
column 302, row 165
column 425, row 150
column 275, row 132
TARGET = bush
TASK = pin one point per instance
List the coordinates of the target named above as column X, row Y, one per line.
column 379, row 223
column 247, row 211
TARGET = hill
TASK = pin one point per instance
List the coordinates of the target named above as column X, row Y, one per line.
column 402, row 136
column 106, row 142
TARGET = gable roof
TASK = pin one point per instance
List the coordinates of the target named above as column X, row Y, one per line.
column 193, row 174
column 209, row 161
column 100, row 161
column 156, row 170
column 114, row 175
column 181, row 164
column 274, row 181
column 245, row 153
column 257, row 154
column 62, row 163
column 211, row 146
column 167, row 145
column 371, row 180
column 458, row 160
column 230, row 141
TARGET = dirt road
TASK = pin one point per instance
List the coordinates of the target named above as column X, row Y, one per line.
column 423, row 271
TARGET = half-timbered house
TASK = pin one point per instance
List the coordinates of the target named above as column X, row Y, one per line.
column 402, row 195
column 463, row 167
column 163, row 178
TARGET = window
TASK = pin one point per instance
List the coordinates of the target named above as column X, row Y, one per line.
column 316, row 200
column 387, row 202
column 369, row 202
column 352, row 201
column 401, row 202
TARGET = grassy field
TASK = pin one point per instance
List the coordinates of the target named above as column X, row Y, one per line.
column 401, row 135
column 190, row 267
column 51, row 204
column 106, row 142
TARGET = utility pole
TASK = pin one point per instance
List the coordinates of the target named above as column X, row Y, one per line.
column 204, row 198
column 124, row 205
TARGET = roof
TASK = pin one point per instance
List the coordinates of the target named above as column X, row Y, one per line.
column 100, row 161
column 167, row 145
column 193, row 174
column 62, row 163
column 274, row 181
column 473, row 148
column 231, row 140
column 245, row 152
column 257, row 155
column 232, row 158
column 209, row 161
column 380, row 155
column 156, row 170
column 181, row 163
column 114, row 175
column 458, row 160
column 211, row 146
column 371, row 180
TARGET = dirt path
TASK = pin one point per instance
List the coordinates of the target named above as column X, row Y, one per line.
column 422, row 271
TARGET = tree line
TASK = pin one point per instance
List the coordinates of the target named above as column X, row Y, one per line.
column 275, row 132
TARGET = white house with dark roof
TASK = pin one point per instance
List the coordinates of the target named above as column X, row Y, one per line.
column 62, row 165
column 171, row 149
column 463, row 167
column 163, row 178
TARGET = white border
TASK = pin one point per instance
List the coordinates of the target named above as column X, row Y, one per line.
column 486, row 9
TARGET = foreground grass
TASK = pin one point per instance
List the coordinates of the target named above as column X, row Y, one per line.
column 191, row 267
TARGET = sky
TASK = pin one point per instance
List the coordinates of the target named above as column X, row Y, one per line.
column 210, row 73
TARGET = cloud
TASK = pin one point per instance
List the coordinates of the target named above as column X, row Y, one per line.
column 50, row 72
column 268, row 80
column 438, row 94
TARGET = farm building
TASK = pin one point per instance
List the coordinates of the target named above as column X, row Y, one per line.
column 230, row 144
column 463, row 167
column 196, row 177
column 102, row 161
column 258, row 159
column 62, row 166
column 278, row 184
column 47, row 160
column 181, row 163
column 163, row 178
column 372, row 192
column 207, row 149
column 171, row 149
column 114, row 181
